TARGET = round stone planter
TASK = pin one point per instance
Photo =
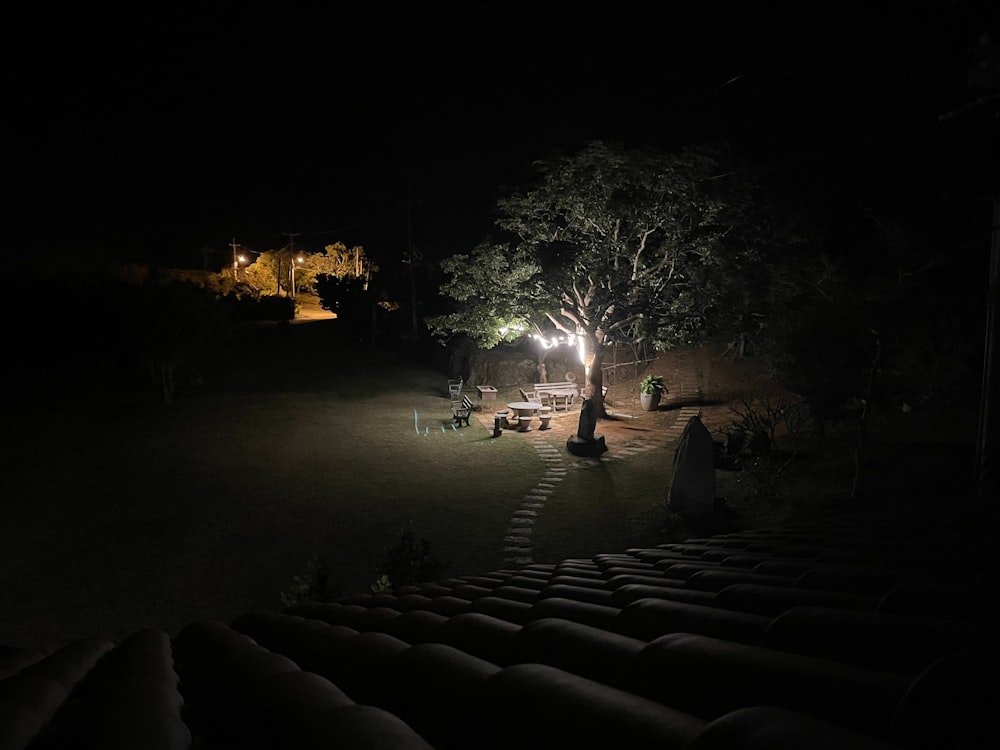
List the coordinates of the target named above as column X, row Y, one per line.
column 649, row 401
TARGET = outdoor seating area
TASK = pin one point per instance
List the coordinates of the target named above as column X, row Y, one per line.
column 530, row 396
column 525, row 411
column 555, row 394
column 540, row 404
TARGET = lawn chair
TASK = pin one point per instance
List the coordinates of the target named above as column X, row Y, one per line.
column 530, row 396
column 455, row 389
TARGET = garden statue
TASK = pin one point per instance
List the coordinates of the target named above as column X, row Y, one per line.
column 692, row 485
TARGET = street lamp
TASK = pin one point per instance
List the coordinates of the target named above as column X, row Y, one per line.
column 237, row 259
column 299, row 261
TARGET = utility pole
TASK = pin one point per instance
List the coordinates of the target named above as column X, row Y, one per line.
column 205, row 252
column 988, row 439
column 291, row 247
column 412, row 256
column 983, row 76
column 236, row 266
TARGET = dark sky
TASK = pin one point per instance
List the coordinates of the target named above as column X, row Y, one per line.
column 156, row 130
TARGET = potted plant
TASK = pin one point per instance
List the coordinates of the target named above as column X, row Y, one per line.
column 651, row 390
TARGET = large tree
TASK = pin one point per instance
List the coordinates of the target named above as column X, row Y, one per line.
column 169, row 325
column 271, row 272
column 623, row 245
column 339, row 262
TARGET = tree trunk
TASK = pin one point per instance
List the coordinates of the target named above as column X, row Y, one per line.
column 595, row 382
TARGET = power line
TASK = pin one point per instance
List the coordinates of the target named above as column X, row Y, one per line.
column 334, row 231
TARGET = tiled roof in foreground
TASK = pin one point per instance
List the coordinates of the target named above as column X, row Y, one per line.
column 857, row 632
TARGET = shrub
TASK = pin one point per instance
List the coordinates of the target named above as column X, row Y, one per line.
column 751, row 443
column 408, row 561
column 316, row 584
column 653, row 384
column 273, row 307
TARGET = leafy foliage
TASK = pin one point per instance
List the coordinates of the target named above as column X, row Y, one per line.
column 408, row 561
column 345, row 282
column 495, row 291
column 316, row 584
column 653, row 384
column 751, row 443
column 756, row 424
column 271, row 272
column 619, row 244
column 893, row 320
column 170, row 323
column 266, row 274
column 337, row 261
column 273, row 307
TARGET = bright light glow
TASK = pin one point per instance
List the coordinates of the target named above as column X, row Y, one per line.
column 549, row 343
column 504, row 330
column 580, row 342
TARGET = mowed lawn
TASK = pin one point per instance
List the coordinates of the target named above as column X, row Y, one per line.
column 121, row 513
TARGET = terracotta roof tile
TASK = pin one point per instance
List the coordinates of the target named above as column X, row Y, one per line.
column 844, row 633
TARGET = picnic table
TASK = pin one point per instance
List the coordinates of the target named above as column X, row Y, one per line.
column 525, row 410
column 555, row 393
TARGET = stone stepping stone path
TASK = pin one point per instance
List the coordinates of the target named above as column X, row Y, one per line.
column 517, row 541
column 685, row 388
column 518, row 537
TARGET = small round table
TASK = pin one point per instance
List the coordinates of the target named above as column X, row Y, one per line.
column 525, row 410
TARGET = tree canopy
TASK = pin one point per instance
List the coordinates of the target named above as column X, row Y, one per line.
column 617, row 244
column 271, row 273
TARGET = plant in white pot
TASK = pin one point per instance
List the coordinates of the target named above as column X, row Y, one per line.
column 651, row 390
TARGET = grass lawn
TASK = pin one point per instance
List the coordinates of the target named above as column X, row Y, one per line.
column 121, row 513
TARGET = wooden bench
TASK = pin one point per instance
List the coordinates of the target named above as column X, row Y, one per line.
column 462, row 410
column 552, row 394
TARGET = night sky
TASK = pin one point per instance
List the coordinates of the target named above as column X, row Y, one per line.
column 154, row 131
